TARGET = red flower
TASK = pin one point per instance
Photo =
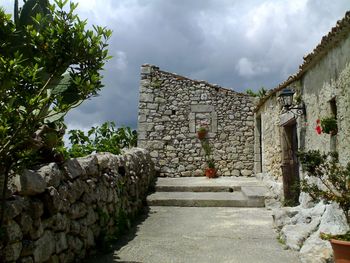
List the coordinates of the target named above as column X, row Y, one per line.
column 318, row 121
column 318, row 129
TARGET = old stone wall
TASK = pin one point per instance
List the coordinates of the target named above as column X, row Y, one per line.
column 267, row 139
column 325, row 89
column 170, row 111
column 59, row 213
column 329, row 80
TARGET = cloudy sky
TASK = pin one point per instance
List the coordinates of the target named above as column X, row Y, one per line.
column 236, row 44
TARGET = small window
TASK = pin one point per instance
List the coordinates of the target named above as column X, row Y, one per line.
column 173, row 112
column 333, row 105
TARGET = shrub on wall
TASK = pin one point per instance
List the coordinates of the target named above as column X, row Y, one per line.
column 332, row 180
column 105, row 138
column 49, row 64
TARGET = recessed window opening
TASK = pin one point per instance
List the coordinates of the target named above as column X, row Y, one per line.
column 173, row 112
column 333, row 106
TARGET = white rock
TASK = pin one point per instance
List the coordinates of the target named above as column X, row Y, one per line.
column 316, row 250
column 333, row 221
column 295, row 235
column 283, row 216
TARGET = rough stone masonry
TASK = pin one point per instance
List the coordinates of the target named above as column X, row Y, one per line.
column 61, row 212
column 171, row 108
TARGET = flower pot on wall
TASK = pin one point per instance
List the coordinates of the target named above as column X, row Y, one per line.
column 210, row 172
column 341, row 250
column 201, row 134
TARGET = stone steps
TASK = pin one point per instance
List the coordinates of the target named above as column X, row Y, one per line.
column 203, row 192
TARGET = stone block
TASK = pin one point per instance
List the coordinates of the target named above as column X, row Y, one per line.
column 30, row 183
column 73, row 169
column 246, row 172
column 12, row 252
column 146, row 69
column 14, row 208
column 51, row 174
column 26, row 260
column 13, row 232
column 89, row 164
column 146, row 97
column 44, row 247
column 61, row 242
column 202, row 108
column 77, row 210
column 53, row 201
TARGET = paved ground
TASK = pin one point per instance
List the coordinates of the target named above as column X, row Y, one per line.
column 201, row 234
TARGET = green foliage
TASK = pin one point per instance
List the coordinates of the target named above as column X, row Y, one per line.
column 156, row 83
column 211, row 163
column 49, row 64
column 250, row 92
column 208, row 153
column 101, row 139
column 329, row 125
column 202, row 129
column 261, row 92
column 332, row 179
column 281, row 240
column 311, row 160
column 344, row 237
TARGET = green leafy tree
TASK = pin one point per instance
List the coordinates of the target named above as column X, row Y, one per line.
column 49, row 64
column 105, row 138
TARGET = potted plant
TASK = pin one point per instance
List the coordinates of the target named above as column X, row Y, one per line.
column 329, row 125
column 203, row 130
column 332, row 184
column 210, row 171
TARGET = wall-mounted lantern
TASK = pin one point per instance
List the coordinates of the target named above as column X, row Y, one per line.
column 286, row 99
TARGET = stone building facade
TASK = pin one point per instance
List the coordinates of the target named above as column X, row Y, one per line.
column 323, row 85
column 171, row 109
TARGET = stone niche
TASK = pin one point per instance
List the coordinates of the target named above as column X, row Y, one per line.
column 203, row 113
column 171, row 109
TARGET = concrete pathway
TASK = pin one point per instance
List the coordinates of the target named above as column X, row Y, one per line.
column 201, row 234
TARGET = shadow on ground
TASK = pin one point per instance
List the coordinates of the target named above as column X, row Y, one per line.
column 108, row 255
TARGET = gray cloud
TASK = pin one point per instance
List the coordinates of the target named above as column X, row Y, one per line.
column 236, row 44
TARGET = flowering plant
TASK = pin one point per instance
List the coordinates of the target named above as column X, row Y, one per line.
column 318, row 127
column 327, row 125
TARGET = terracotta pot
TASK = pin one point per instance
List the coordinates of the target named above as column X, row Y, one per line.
column 333, row 132
column 210, row 172
column 201, row 134
column 341, row 250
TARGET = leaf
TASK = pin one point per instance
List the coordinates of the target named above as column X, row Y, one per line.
column 54, row 117
column 61, row 85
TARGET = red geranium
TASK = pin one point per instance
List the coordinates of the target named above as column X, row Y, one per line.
column 318, row 127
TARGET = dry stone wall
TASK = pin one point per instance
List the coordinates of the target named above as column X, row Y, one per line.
column 60, row 213
column 171, row 109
